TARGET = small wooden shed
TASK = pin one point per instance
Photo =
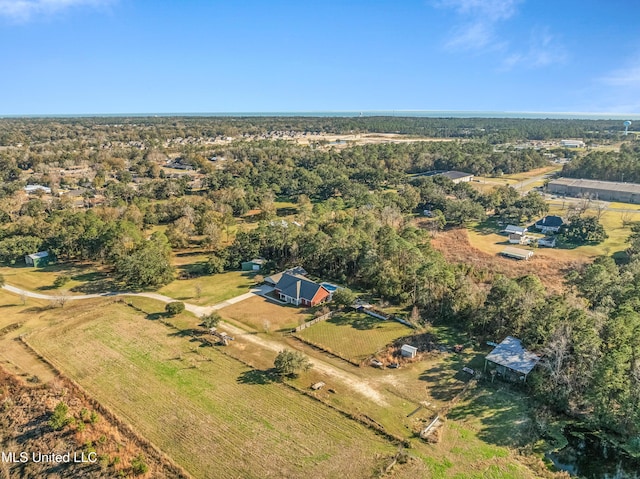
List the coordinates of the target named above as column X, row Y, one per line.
column 38, row 260
column 253, row 265
column 408, row 351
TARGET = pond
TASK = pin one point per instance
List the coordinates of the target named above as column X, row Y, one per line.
column 590, row 457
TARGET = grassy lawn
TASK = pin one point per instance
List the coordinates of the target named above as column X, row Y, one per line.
column 259, row 312
column 204, row 409
column 354, row 335
column 85, row 277
column 210, row 413
column 213, row 289
column 487, row 238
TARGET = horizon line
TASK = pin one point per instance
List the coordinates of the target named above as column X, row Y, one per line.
column 344, row 113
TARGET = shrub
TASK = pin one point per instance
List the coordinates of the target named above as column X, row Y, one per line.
column 289, row 363
column 139, row 466
column 61, row 280
column 174, row 308
column 59, row 418
column 211, row 320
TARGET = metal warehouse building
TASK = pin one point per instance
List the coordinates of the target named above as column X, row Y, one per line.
column 601, row 190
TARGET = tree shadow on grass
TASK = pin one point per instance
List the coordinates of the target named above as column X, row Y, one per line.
column 97, row 286
column 186, row 333
column 444, row 380
column 503, row 416
column 256, row 376
column 358, row 321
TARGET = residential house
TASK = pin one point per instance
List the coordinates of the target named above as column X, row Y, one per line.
column 548, row 241
column 274, row 278
column 515, row 230
column 549, row 224
column 515, row 238
column 300, row 291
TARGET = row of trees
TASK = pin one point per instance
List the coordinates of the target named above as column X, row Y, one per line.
column 607, row 165
column 159, row 129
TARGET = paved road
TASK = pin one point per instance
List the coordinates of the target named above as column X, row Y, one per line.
column 349, row 379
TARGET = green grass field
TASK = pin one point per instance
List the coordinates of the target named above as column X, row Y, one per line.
column 210, row 413
column 207, row 411
column 354, row 336
column 213, row 289
column 85, row 277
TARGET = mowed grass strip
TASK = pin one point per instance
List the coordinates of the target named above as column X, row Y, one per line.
column 82, row 277
column 263, row 315
column 214, row 416
column 354, row 335
column 212, row 289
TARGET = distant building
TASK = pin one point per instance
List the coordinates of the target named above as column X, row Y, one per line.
column 519, row 239
column 511, row 360
column 516, row 253
column 548, row 241
column 549, row 224
column 601, row 190
column 458, row 176
column 38, row 260
column 572, row 143
column 455, row 176
column 515, row 230
column 35, row 188
column 253, row 265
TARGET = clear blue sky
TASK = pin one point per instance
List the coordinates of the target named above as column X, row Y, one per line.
column 132, row 56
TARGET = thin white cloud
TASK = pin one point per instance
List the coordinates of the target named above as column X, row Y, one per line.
column 544, row 50
column 24, row 10
column 479, row 20
column 620, row 88
column 625, row 77
column 486, row 10
column 479, row 28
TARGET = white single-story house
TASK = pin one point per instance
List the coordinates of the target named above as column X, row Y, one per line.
column 519, row 239
column 548, row 241
column 515, row 230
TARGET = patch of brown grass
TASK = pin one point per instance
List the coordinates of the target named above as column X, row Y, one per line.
column 24, row 416
column 455, row 246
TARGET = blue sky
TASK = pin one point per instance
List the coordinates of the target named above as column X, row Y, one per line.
column 134, row 56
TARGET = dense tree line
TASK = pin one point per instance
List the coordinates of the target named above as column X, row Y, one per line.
column 607, row 165
column 156, row 129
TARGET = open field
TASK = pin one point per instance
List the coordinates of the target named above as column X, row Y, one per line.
column 85, row 277
column 24, row 427
column 354, row 335
column 206, row 410
column 213, row 289
column 259, row 312
column 480, row 251
column 219, row 408
column 486, row 238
